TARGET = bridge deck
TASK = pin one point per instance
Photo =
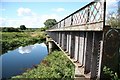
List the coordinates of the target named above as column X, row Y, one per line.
column 87, row 27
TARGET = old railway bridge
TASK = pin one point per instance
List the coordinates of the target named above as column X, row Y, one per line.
column 87, row 41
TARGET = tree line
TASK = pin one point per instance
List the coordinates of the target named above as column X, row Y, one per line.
column 48, row 24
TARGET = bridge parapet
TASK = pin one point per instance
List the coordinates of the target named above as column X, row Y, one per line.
column 89, row 17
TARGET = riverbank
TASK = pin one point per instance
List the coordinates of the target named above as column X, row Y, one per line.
column 55, row 66
column 13, row 40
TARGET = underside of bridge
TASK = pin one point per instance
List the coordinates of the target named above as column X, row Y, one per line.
column 87, row 41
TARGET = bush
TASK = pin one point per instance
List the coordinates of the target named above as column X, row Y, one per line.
column 108, row 72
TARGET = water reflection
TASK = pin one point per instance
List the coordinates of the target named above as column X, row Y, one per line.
column 28, row 49
column 13, row 63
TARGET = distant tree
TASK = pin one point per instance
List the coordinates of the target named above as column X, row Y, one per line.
column 4, row 29
column 50, row 22
column 10, row 29
column 22, row 27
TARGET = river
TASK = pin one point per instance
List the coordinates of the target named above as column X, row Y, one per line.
column 17, row 61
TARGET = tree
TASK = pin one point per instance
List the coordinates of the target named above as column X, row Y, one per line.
column 50, row 22
column 113, row 18
column 22, row 27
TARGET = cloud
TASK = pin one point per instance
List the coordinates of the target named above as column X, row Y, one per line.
column 49, row 16
column 29, row 18
column 45, row 0
column 59, row 9
column 2, row 9
column 111, row 3
column 34, row 21
column 24, row 12
column 26, row 49
column 43, row 45
column 2, row 21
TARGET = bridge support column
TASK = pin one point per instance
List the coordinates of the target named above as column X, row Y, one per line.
column 76, row 47
column 81, row 48
column 62, row 40
column 88, row 52
column 67, row 44
column 51, row 46
column 65, row 41
column 72, row 47
column 57, row 37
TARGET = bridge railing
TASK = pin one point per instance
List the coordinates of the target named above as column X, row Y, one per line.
column 92, row 13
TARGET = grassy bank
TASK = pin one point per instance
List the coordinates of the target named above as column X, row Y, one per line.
column 54, row 66
column 13, row 40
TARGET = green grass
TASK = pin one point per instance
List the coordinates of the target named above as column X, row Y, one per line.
column 13, row 40
column 54, row 66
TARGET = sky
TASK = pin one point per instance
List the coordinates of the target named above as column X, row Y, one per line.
column 33, row 13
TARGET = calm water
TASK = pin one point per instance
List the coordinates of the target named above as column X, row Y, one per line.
column 15, row 62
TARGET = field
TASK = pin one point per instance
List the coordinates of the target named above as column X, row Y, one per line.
column 13, row 40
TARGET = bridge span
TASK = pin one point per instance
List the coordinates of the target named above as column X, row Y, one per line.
column 87, row 41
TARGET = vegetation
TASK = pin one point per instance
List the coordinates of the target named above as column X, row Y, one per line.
column 50, row 22
column 9, row 29
column 108, row 72
column 22, row 27
column 41, row 29
column 12, row 40
column 114, row 18
column 54, row 66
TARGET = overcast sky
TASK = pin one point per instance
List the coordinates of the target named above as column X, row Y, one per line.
column 33, row 13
